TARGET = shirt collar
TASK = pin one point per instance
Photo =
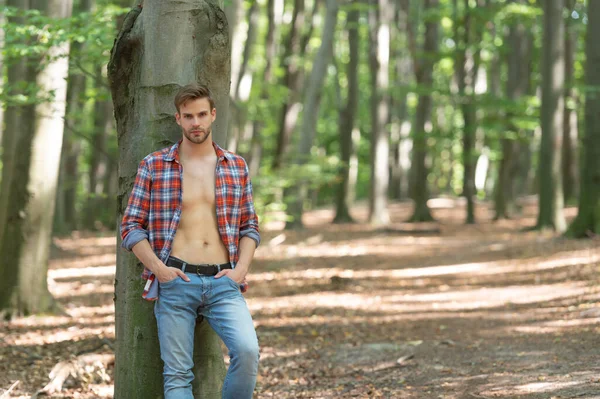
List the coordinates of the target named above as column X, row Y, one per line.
column 173, row 154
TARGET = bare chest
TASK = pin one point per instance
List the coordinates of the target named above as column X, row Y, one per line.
column 198, row 186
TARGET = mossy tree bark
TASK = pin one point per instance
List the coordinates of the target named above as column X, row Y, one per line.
column 147, row 67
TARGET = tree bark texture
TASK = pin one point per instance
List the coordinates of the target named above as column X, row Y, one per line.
column 347, row 118
column 553, row 88
column 587, row 222
column 312, row 99
column 379, row 56
column 424, row 76
column 146, row 69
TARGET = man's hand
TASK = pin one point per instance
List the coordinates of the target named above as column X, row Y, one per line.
column 232, row 274
column 167, row 273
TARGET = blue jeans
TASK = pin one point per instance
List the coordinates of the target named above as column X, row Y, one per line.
column 223, row 306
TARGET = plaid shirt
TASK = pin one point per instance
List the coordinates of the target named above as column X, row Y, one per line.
column 154, row 207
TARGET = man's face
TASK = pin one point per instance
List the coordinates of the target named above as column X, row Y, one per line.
column 195, row 118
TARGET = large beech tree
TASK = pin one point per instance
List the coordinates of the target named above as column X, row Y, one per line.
column 147, row 67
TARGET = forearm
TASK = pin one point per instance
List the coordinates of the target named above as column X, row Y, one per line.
column 246, row 250
column 146, row 255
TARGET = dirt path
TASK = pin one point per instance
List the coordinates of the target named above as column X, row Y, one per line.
column 481, row 311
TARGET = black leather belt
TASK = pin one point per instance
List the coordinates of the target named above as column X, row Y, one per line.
column 203, row 269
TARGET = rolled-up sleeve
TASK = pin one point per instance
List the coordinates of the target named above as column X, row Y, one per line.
column 135, row 218
column 249, row 219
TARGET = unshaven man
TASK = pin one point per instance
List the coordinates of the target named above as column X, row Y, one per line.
column 191, row 221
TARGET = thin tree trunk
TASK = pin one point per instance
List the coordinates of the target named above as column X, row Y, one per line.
column 467, row 64
column 145, row 72
column 570, row 162
column 422, row 126
column 296, row 46
column 241, row 91
column 399, row 106
column 98, row 168
column 587, row 222
column 270, row 51
column 346, row 121
column 379, row 21
column 516, row 87
column 553, row 88
column 311, row 106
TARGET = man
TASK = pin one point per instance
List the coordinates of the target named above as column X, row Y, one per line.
column 191, row 221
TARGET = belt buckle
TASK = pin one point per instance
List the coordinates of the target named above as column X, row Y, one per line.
column 218, row 268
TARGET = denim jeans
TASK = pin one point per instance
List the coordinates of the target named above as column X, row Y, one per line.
column 223, row 306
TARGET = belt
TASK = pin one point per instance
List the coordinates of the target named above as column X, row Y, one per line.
column 203, row 269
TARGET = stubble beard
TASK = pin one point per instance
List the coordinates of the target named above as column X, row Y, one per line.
column 197, row 139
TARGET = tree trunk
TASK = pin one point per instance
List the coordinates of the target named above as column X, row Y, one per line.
column 467, row 65
column 270, row 50
column 2, row 22
column 379, row 21
column 26, row 243
column 145, row 71
column 424, row 76
column 570, row 162
column 399, row 107
column 517, row 84
column 311, row 106
column 17, row 135
column 98, row 168
column 346, row 121
column 234, row 11
column 295, row 50
column 553, row 88
column 587, row 222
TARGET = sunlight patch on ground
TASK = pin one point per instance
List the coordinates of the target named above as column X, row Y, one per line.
column 477, row 268
column 97, row 271
column 64, row 290
column 73, row 333
column 83, row 261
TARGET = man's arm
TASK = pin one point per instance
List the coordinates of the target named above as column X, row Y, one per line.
column 135, row 223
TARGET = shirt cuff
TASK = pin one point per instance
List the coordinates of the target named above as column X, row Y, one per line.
column 133, row 238
column 251, row 233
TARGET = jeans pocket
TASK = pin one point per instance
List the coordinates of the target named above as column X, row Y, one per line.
column 232, row 283
column 169, row 283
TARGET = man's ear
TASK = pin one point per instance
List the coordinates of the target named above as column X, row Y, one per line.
column 214, row 114
column 178, row 118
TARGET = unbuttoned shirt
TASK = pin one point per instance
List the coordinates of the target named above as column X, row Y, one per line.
column 154, row 208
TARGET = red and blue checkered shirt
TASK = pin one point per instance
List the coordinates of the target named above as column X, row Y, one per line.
column 154, row 207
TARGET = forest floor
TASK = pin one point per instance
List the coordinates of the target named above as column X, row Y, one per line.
column 438, row 310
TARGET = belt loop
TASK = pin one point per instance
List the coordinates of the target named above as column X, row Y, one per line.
column 218, row 268
column 183, row 267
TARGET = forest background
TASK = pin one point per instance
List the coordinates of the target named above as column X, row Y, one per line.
column 332, row 104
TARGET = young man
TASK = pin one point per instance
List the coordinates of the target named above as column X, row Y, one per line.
column 191, row 221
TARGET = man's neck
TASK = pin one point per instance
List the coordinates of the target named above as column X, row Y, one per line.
column 192, row 151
